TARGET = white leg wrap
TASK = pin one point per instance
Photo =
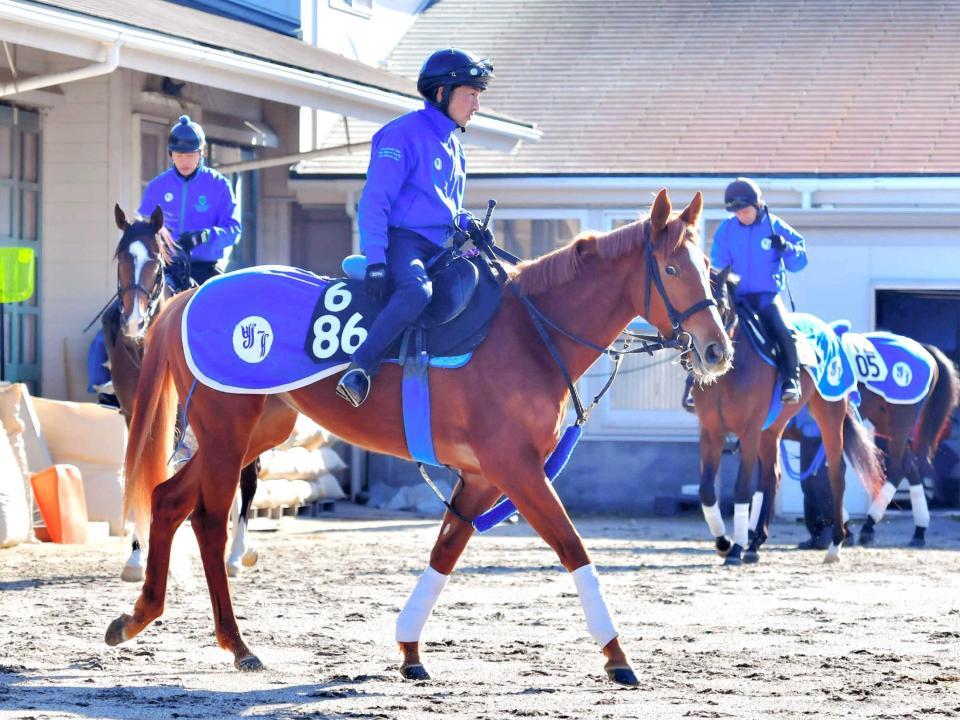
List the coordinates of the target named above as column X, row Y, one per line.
column 419, row 605
column 238, row 546
column 846, row 515
column 755, row 506
column 599, row 622
column 918, row 501
column 711, row 513
column 879, row 505
column 741, row 516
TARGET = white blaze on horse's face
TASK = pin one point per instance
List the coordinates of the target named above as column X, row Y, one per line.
column 135, row 324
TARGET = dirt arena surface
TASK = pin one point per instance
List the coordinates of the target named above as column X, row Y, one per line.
column 876, row 636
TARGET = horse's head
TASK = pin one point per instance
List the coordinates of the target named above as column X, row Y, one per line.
column 144, row 250
column 675, row 296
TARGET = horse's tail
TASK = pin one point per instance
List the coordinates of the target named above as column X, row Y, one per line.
column 943, row 398
column 152, row 426
column 862, row 453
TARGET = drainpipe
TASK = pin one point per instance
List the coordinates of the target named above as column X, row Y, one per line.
column 105, row 67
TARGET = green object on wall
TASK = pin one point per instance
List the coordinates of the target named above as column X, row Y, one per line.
column 17, row 273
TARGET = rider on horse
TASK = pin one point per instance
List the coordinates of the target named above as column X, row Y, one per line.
column 759, row 246
column 411, row 201
column 199, row 208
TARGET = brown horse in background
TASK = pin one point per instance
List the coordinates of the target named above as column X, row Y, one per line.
column 739, row 403
column 143, row 254
column 496, row 419
column 925, row 422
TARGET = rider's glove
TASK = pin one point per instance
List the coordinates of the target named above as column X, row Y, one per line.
column 375, row 281
column 479, row 233
column 778, row 242
column 190, row 239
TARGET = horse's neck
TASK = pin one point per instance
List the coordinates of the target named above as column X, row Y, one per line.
column 594, row 306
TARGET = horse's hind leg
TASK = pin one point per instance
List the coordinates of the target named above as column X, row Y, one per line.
column 535, row 498
column 241, row 553
column 470, row 498
column 171, row 503
column 830, row 416
column 918, row 500
column 896, row 447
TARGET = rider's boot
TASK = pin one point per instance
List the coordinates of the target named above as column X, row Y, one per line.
column 791, row 390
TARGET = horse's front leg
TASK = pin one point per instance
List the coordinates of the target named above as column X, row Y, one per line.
column 711, row 452
column 472, row 497
column 763, row 500
column 520, row 475
column 749, row 442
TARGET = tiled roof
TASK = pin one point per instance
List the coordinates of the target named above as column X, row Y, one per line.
column 758, row 87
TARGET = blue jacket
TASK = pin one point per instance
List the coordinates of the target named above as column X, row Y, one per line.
column 415, row 181
column 746, row 249
column 203, row 202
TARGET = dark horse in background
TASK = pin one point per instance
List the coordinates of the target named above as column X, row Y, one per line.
column 144, row 252
column 739, row 403
column 495, row 420
column 913, row 432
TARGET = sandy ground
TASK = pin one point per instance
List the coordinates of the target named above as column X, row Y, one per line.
column 876, row 636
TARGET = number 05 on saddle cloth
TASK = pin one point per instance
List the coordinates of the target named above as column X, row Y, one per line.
column 273, row 329
column 895, row 367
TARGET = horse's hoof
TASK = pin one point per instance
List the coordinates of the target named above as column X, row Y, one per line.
column 116, row 633
column 251, row 663
column 867, row 538
column 132, row 573
column 751, row 556
column 233, row 570
column 833, row 555
column 733, row 557
column 250, row 558
column 623, row 676
column 414, row 671
column 918, row 542
column 722, row 545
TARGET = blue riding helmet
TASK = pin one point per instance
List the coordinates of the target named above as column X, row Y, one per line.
column 186, row 136
column 742, row 193
column 449, row 68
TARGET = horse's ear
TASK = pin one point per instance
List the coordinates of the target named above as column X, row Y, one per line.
column 660, row 212
column 691, row 213
column 156, row 219
column 120, row 218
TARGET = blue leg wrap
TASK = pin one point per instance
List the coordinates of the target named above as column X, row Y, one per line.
column 552, row 468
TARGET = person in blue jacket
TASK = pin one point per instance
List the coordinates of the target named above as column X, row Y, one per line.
column 760, row 247
column 199, row 208
column 411, row 201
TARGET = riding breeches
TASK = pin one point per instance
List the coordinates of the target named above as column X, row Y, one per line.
column 773, row 315
column 408, row 256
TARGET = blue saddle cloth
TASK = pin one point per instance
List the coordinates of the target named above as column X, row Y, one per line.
column 895, row 367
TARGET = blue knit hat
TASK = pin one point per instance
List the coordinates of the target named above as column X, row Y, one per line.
column 186, row 136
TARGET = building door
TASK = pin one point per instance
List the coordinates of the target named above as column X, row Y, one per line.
column 321, row 238
column 20, row 227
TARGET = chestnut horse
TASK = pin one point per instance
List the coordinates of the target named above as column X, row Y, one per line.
column 144, row 252
column 924, row 421
column 739, row 403
column 495, row 420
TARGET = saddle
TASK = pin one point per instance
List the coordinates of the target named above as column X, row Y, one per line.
column 763, row 342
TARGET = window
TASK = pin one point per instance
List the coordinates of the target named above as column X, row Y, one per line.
column 530, row 234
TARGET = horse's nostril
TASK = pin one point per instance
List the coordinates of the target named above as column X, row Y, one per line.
column 712, row 354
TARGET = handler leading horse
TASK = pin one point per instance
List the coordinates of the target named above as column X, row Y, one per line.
column 498, row 420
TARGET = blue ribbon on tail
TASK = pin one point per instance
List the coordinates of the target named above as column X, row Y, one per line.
column 552, row 468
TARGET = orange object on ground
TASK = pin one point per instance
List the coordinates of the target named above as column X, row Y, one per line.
column 59, row 494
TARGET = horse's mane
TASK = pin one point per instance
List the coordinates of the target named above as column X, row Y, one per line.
column 166, row 245
column 564, row 264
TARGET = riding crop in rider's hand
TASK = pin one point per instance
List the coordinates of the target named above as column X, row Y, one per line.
column 190, row 239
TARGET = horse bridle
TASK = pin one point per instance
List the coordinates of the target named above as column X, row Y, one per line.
column 153, row 295
column 676, row 318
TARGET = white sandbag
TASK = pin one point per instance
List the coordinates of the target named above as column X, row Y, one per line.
column 292, row 464
column 94, row 439
column 325, row 487
column 331, row 461
column 306, row 433
column 14, row 514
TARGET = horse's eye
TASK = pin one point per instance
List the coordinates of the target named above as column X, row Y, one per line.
column 672, row 270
